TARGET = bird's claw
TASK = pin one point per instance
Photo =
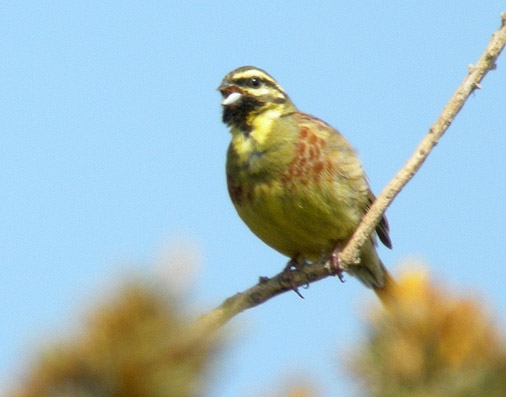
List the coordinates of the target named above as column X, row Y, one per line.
column 293, row 264
column 335, row 263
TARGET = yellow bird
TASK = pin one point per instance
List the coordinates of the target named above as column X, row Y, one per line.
column 294, row 180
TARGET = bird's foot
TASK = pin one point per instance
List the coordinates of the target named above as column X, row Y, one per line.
column 294, row 263
column 334, row 262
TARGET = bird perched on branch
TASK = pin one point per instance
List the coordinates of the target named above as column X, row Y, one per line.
column 294, row 180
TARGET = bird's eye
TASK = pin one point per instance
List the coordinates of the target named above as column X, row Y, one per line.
column 254, row 82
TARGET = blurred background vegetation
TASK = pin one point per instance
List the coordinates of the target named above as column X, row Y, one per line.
column 141, row 342
column 431, row 342
column 138, row 343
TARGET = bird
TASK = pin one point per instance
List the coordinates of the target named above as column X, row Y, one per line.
column 295, row 181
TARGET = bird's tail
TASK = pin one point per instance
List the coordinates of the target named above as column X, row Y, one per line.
column 373, row 274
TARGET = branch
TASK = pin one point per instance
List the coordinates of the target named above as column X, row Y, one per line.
column 350, row 255
column 268, row 288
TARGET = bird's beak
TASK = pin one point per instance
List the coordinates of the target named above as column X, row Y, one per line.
column 224, row 85
column 231, row 93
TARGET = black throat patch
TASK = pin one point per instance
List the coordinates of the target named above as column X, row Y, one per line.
column 237, row 115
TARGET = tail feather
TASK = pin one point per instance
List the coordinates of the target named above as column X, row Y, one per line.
column 373, row 274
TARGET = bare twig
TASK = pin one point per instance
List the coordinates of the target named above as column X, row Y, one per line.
column 471, row 82
column 268, row 288
column 264, row 290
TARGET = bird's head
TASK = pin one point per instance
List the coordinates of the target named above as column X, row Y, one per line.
column 248, row 92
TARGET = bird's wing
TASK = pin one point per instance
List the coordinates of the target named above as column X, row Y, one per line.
column 382, row 228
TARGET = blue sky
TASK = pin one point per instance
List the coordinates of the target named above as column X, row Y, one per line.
column 111, row 145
